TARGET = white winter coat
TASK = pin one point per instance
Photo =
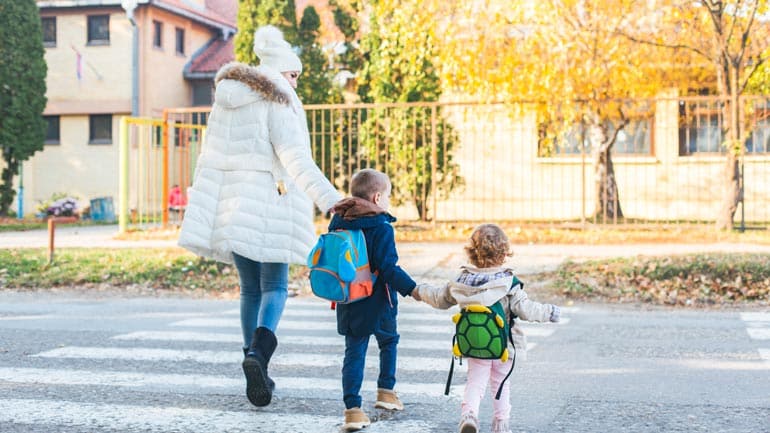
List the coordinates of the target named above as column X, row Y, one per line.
column 256, row 139
column 513, row 299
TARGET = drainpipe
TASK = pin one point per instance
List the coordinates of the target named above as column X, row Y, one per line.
column 130, row 6
column 20, row 198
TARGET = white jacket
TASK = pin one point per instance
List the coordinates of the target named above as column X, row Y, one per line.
column 256, row 139
column 513, row 299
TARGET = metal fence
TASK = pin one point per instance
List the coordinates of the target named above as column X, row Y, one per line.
column 493, row 162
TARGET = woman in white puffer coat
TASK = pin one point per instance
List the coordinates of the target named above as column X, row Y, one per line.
column 251, row 202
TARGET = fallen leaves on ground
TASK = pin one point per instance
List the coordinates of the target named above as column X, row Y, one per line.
column 688, row 280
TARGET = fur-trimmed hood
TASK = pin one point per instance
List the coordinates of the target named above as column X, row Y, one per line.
column 240, row 84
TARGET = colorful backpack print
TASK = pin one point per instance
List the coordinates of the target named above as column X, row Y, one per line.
column 339, row 267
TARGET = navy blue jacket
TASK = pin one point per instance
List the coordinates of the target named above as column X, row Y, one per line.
column 360, row 318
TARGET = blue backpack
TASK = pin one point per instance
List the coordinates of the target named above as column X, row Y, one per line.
column 339, row 267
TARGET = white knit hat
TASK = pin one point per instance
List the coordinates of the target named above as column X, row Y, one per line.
column 273, row 51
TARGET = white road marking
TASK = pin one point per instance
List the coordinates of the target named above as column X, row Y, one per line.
column 530, row 329
column 210, row 337
column 300, row 340
column 758, row 328
column 759, row 333
column 101, row 417
column 405, row 363
column 764, row 354
column 756, row 317
column 28, row 317
column 712, row 364
column 197, row 383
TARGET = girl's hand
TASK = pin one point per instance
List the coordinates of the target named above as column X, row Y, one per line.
column 416, row 294
column 555, row 314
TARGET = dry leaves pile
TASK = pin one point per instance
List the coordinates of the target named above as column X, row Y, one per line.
column 693, row 280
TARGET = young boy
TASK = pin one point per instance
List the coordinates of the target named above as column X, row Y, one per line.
column 367, row 210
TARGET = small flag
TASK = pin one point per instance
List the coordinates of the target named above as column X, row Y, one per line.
column 79, row 65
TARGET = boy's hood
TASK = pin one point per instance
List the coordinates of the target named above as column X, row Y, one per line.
column 485, row 294
column 357, row 213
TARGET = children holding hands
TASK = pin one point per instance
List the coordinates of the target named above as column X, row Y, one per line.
column 485, row 281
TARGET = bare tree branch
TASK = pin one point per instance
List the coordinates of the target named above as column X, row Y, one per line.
column 735, row 21
column 664, row 45
column 754, row 68
column 745, row 35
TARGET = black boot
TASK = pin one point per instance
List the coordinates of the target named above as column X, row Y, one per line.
column 259, row 387
column 270, row 382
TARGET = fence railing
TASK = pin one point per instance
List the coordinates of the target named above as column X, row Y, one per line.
column 492, row 161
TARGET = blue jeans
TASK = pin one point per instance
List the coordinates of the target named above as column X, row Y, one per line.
column 264, row 289
column 355, row 358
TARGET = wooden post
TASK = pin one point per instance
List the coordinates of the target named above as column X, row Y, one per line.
column 52, row 228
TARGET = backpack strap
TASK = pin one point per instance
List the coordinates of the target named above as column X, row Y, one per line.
column 513, row 360
column 451, row 369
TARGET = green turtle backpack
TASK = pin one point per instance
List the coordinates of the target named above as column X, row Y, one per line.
column 482, row 332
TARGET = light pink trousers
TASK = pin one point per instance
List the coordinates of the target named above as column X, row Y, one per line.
column 480, row 373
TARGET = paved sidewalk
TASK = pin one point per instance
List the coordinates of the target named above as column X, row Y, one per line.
column 429, row 260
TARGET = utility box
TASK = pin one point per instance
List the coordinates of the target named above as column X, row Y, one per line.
column 102, row 209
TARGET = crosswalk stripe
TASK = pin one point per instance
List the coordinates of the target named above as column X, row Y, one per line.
column 312, row 313
column 405, row 363
column 299, row 325
column 759, row 333
column 28, row 317
column 101, row 417
column 756, row 317
column 299, row 340
column 209, row 337
column 194, row 383
column 764, row 354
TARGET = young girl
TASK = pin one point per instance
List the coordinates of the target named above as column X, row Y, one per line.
column 485, row 282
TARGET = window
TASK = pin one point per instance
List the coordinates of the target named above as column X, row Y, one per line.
column 100, row 129
column 157, row 34
column 201, row 93
column 700, row 127
column 98, row 29
column 634, row 139
column 49, row 31
column 52, row 129
column 758, row 140
column 179, row 41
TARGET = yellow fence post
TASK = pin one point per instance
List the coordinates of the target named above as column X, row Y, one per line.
column 164, row 181
column 123, row 173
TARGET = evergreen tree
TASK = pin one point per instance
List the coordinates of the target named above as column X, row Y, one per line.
column 351, row 59
column 315, row 83
column 22, row 90
column 253, row 14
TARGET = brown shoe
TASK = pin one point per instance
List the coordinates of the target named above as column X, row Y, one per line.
column 388, row 399
column 355, row 419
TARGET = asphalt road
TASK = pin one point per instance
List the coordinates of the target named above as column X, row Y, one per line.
column 96, row 361
column 84, row 362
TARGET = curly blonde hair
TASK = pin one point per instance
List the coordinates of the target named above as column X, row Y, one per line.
column 488, row 246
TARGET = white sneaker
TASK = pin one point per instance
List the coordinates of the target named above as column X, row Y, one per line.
column 469, row 423
column 500, row 426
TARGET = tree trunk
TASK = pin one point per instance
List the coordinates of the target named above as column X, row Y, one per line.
column 732, row 186
column 7, row 193
column 607, row 197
